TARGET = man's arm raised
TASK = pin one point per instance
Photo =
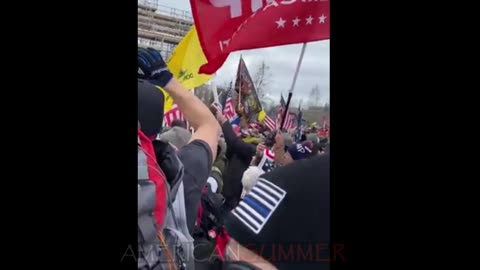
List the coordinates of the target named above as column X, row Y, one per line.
column 196, row 113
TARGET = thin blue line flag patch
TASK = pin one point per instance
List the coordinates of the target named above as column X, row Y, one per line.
column 259, row 204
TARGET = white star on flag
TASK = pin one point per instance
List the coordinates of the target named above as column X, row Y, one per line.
column 322, row 18
column 296, row 21
column 309, row 19
column 281, row 23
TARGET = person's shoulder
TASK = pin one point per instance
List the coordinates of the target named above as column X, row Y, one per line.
column 282, row 199
column 308, row 172
column 319, row 163
column 197, row 152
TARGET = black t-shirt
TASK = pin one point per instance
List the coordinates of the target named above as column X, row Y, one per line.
column 197, row 161
column 286, row 216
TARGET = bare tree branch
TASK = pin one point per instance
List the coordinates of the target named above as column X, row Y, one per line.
column 261, row 79
column 314, row 97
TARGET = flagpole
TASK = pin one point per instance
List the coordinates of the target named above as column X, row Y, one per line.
column 215, row 93
column 186, row 121
column 290, row 92
column 239, row 85
column 214, row 90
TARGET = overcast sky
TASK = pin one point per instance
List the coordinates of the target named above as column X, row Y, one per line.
column 282, row 61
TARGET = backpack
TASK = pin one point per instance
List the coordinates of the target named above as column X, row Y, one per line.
column 164, row 241
column 209, row 228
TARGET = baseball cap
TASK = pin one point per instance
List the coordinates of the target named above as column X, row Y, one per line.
column 286, row 216
column 300, row 151
column 150, row 108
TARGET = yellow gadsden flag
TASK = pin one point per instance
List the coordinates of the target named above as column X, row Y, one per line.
column 184, row 63
column 261, row 116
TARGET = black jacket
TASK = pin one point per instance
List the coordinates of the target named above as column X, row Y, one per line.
column 239, row 155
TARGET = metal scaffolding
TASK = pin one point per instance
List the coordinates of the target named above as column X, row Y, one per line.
column 161, row 27
column 153, row 4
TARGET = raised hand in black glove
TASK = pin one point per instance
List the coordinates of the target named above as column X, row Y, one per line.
column 151, row 63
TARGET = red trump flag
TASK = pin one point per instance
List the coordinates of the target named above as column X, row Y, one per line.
column 225, row 26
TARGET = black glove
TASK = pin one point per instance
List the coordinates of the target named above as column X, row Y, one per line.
column 154, row 69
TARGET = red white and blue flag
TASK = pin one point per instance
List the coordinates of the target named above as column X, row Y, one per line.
column 267, row 163
column 289, row 119
column 275, row 124
column 270, row 123
column 173, row 114
column 229, row 109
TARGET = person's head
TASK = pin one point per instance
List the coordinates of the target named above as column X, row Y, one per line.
column 303, row 137
column 324, row 145
column 277, row 217
column 150, row 108
column 313, row 137
column 179, row 123
column 323, row 141
column 176, row 136
column 270, row 138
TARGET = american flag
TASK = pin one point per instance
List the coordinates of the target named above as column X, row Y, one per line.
column 173, row 114
column 269, row 123
column 289, row 118
column 275, row 124
column 267, row 163
column 289, row 121
column 278, row 121
column 229, row 108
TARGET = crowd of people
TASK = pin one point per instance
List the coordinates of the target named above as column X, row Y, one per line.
column 225, row 197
